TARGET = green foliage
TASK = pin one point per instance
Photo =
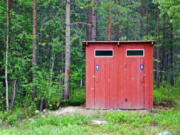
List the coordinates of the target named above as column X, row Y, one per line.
column 77, row 97
column 166, row 96
column 51, row 44
column 1, row 96
column 15, row 116
column 46, row 88
column 171, row 7
column 168, row 118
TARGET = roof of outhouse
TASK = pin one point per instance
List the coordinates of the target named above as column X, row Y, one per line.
column 118, row 42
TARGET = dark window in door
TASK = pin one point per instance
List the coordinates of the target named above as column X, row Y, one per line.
column 104, row 53
column 134, row 52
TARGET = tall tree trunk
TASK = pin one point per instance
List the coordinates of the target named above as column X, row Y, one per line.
column 172, row 51
column 94, row 21
column 163, row 57
column 67, row 54
column 158, row 50
column 117, row 25
column 89, row 20
column 7, row 48
column 147, row 21
column 34, row 46
column 141, row 20
column 109, row 24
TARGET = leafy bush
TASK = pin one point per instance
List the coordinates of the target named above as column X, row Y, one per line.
column 15, row 116
column 2, row 98
column 77, row 97
column 166, row 95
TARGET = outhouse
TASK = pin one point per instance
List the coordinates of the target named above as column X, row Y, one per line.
column 119, row 74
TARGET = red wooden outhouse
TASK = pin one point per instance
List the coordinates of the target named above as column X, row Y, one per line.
column 119, row 74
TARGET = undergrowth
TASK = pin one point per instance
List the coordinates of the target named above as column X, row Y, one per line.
column 27, row 122
column 166, row 96
column 77, row 97
column 118, row 123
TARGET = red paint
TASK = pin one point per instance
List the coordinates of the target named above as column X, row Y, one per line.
column 119, row 83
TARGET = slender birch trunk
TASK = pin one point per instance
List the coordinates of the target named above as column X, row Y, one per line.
column 7, row 48
column 68, row 48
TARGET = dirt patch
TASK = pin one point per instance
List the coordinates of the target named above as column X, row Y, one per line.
column 70, row 110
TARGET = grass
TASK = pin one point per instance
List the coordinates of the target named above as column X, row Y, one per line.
column 119, row 123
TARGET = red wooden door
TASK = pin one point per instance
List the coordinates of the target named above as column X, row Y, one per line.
column 103, row 82
column 133, row 92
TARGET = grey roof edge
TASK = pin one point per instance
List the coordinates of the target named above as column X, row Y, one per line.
column 117, row 42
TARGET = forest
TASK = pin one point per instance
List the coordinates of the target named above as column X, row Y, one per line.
column 43, row 60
